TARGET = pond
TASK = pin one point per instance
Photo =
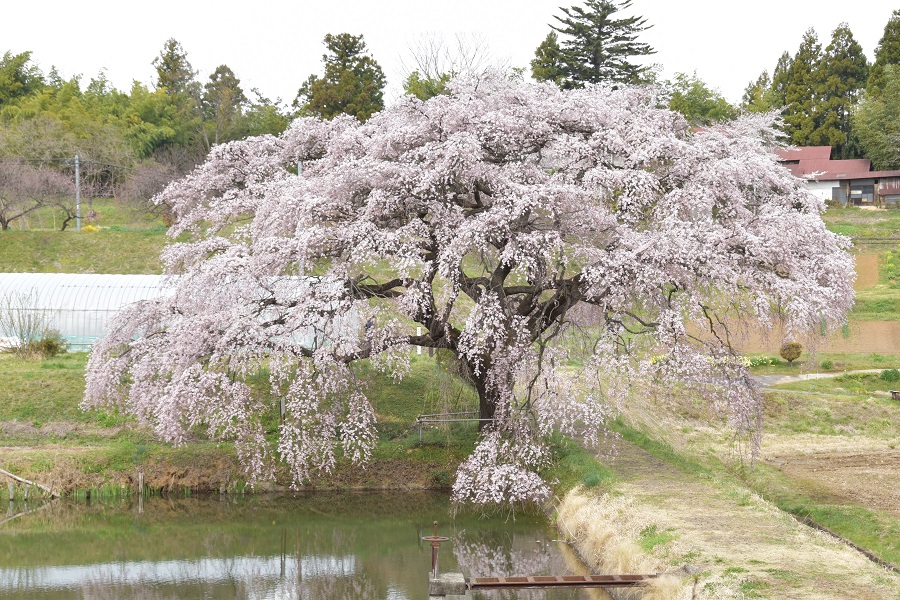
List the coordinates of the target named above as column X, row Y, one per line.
column 317, row 546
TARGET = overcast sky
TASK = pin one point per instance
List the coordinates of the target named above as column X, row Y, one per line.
column 274, row 45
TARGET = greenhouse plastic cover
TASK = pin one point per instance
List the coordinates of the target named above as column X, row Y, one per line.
column 80, row 305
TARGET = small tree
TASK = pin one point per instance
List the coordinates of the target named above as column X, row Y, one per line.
column 791, row 351
column 25, row 188
column 22, row 323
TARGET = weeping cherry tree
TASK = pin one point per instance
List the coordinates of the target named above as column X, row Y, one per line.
column 490, row 224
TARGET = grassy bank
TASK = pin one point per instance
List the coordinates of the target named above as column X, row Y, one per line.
column 50, row 440
column 829, row 454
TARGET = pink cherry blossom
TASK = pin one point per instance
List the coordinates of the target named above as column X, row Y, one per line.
column 506, row 221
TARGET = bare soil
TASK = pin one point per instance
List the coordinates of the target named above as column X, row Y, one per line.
column 871, row 479
column 866, row 271
column 882, row 337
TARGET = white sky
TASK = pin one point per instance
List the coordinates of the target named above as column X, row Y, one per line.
column 275, row 45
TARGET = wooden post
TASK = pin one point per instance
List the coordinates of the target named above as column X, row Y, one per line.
column 12, row 491
column 27, row 482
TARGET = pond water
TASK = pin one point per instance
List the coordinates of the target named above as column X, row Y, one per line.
column 318, row 546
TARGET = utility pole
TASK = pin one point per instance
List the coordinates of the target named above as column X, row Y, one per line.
column 77, row 196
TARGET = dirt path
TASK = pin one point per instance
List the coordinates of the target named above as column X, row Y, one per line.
column 768, row 381
column 724, row 529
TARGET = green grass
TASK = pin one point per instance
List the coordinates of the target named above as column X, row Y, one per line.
column 660, row 450
column 73, row 252
column 879, row 303
column 860, row 224
column 651, row 537
column 128, row 242
column 576, row 466
column 42, row 391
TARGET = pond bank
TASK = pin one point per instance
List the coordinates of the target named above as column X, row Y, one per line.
column 73, row 470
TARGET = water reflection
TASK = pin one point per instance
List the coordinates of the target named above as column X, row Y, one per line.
column 310, row 547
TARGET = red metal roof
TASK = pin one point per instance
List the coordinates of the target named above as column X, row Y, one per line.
column 813, row 162
column 804, row 153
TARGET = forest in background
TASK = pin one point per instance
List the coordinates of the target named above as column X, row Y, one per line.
column 131, row 143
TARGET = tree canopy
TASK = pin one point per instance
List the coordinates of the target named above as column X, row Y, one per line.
column 886, row 53
column 497, row 220
column 353, row 82
column 877, row 121
column 595, row 46
column 690, row 96
column 841, row 79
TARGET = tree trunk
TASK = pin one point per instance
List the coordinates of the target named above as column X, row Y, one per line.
column 487, row 405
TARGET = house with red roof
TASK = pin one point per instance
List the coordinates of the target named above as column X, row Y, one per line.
column 845, row 181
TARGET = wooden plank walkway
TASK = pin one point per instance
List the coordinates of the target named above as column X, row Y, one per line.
column 557, row 581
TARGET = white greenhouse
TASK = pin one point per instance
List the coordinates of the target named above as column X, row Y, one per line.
column 81, row 306
column 78, row 306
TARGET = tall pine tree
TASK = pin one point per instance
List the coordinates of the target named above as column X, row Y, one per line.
column 780, row 79
column 877, row 121
column 353, row 82
column 595, row 46
column 841, row 78
column 886, row 53
column 801, row 110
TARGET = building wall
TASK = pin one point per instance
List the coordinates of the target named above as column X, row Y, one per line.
column 822, row 189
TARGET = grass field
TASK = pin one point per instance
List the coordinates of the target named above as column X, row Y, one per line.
column 126, row 242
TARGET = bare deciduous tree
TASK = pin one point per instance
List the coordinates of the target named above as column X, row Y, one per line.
column 434, row 59
column 25, row 188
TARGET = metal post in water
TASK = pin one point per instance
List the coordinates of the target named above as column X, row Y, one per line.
column 435, row 541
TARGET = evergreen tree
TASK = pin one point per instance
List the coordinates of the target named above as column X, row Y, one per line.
column 841, row 77
column 780, row 80
column 222, row 101
column 353, row 82
column 176, row 80
column 174, row 73
column 801, row 111
column 886, row 53
column 596, row 47
column 548, row 64
column 877, row 121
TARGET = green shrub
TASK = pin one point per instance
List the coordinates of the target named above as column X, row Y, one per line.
column 49, row 345
column 791, row 351
column 890, row 375
column 890, row 267
column 827, row 365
